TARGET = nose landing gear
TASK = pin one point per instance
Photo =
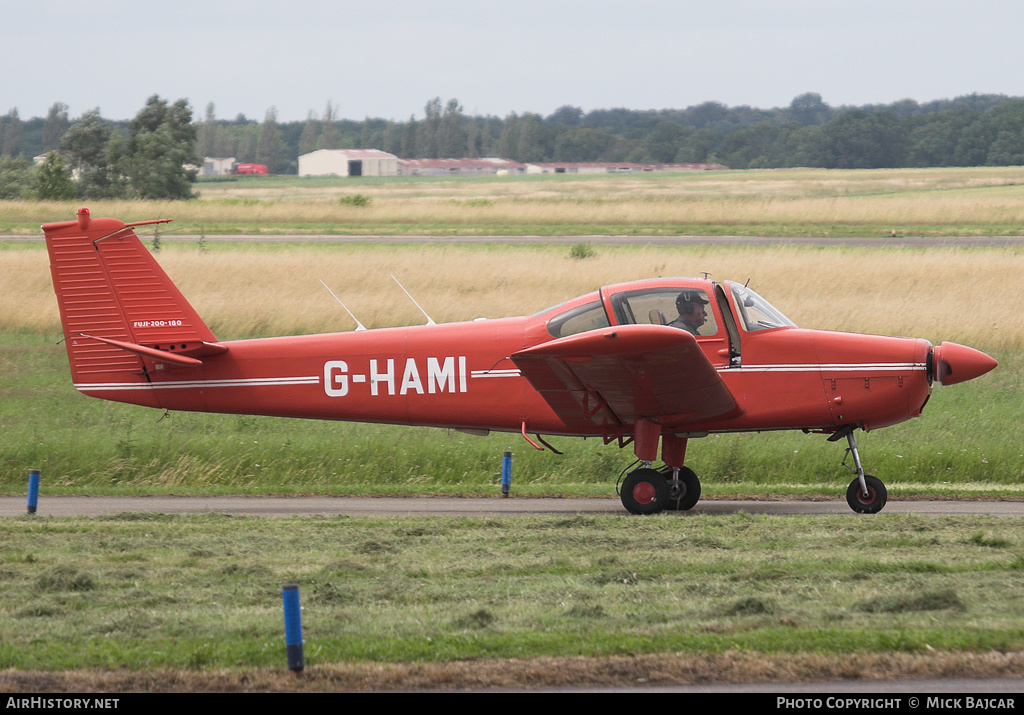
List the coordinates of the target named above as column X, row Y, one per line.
column 866, row 494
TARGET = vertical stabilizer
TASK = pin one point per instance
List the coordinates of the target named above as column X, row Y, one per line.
column 118, row 307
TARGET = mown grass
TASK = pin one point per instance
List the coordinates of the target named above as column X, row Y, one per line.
column 914, row 202
column 198, row 592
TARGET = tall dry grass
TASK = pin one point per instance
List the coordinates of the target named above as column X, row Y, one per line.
column 954, row 201
column 971, row 296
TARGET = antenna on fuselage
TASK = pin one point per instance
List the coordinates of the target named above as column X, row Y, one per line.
column 359, row 326
column 430, row 321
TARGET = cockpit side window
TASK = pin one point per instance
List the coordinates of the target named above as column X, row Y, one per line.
column 688, row 309
column 590, row 316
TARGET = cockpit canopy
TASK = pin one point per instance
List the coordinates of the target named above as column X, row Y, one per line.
column 699, row 306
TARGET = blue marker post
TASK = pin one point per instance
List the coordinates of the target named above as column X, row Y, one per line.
column 33, row 490
column 292, row 627
column 506, row 474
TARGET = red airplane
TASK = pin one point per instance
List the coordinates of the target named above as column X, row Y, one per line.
column 649, row 362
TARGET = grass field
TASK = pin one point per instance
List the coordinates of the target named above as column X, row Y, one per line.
column 198, row 595
column 161, row 602
column 802, row 202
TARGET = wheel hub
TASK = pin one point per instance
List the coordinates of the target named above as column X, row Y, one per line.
column 866, row 499
column 644, row 493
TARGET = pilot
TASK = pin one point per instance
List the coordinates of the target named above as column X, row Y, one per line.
column 692, row 313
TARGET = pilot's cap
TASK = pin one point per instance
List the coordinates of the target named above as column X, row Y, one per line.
column 690, row 296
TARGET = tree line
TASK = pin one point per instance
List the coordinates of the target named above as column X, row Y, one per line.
column 143, row 157
column 152, row 156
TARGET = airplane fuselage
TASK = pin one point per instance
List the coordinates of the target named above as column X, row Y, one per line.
column 788, row 378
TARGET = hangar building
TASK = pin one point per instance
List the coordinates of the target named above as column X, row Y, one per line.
column 348, row 162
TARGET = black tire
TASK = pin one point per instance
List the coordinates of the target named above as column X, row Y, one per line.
column 875, row 499
column 686, row 494
column 644, row 491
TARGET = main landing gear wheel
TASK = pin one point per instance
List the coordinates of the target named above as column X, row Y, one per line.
column 684, row 491
column 644, row 491
column 870, row 503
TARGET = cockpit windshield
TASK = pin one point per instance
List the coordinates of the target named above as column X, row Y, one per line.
column 755, row 313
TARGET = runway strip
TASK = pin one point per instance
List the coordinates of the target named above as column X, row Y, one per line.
column 66, row 506
column 631, row 240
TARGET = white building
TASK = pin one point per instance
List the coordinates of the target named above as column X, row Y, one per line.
column 460, row 167
column 594, row 167
column 348, row 162
column 217, row 166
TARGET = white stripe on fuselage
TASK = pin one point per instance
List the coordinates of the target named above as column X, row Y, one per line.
column 246, row 382
column 495, row 373
column 315, row 379
column 832, row 367
column 192, row 384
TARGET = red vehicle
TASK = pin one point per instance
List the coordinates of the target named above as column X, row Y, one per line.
column 254, row 169
column 651, row 363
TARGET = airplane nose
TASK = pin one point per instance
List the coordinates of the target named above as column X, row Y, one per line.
column 954, row 363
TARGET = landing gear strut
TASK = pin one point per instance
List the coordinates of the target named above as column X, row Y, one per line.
column 866, row 494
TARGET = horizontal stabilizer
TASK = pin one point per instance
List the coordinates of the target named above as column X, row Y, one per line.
column 175, row 358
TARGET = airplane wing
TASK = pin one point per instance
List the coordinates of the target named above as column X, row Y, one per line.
column 615, row 375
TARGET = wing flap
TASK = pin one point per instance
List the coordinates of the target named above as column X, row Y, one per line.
column 631, row 371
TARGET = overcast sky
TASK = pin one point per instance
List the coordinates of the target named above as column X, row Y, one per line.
column 386, row 58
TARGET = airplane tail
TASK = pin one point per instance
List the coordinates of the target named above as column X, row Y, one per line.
column 122, row 316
